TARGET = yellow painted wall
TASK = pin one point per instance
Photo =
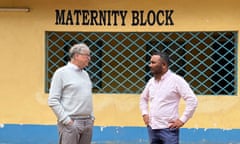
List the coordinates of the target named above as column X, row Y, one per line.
column 22, row 45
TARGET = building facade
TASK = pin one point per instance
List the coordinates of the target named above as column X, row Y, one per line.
column 201, row 38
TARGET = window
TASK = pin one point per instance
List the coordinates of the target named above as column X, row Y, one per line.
column 119, row 62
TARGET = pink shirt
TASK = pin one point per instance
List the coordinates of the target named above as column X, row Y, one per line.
column 161, row 100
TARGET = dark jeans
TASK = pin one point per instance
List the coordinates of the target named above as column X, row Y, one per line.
column 163, row 136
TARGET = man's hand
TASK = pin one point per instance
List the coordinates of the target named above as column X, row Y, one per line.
column 70, row 123
column 146, row 119
column 175, row 123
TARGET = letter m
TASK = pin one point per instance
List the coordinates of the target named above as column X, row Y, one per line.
column 60, row 17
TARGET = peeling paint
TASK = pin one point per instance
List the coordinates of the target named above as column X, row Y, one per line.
column 101, row 128
column 114, row 135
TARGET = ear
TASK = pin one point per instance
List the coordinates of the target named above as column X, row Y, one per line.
column 164, row 63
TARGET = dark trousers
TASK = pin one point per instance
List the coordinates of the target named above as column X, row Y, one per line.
column 163, row 136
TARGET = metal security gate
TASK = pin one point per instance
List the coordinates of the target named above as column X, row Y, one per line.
column 119, row 60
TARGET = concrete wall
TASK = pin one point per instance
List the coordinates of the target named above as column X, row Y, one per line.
column 23, row 102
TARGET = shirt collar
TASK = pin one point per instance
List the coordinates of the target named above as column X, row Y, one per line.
column 165, row 75
column 73, row 66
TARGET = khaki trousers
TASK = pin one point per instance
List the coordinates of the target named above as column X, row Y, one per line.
column 80, row 132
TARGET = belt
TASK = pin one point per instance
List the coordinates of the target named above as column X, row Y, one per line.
column 81, row 117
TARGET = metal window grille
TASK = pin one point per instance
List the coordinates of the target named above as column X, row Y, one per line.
column 119, row 60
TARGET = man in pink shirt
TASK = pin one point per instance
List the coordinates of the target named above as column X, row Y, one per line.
column 160, row 99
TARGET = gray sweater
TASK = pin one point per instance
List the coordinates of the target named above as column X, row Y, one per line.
column 70, row 93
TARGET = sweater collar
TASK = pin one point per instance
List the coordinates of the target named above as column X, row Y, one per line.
column 73, row 66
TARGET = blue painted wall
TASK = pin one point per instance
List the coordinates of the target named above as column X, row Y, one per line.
column 47, row 134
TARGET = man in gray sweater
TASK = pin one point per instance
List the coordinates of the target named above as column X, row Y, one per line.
column 70, row 98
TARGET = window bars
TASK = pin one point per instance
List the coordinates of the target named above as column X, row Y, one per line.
column 119, row 60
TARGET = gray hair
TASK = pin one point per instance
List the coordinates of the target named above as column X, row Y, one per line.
column 77, row 48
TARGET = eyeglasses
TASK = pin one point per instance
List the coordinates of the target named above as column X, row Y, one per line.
column 88, row 55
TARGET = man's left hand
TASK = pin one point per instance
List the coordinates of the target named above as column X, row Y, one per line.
column 176, row 123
